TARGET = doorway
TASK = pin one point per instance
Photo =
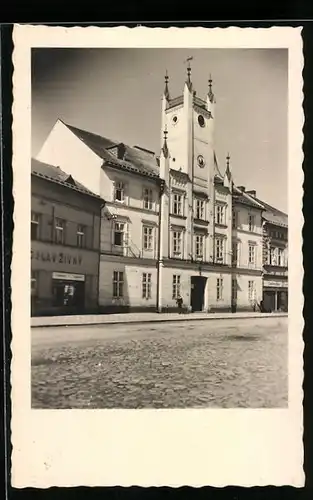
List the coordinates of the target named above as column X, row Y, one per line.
column 198, row 284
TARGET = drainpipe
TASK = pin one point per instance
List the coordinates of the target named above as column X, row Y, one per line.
column 160, row 256
column 102, row 205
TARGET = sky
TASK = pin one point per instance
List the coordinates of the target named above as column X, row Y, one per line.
column 117, row 93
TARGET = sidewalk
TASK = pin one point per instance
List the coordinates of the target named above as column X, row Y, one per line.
column 110, row 319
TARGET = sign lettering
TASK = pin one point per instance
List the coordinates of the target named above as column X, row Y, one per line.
column 60, row 257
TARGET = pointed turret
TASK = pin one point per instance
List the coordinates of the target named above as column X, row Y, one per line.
column 228, row 175
column 166, row 91
column 165, row 150
column 210, row 97
column 188, row 80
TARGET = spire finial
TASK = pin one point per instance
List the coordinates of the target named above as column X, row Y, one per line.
column 210, row 93
column 166, row 91
column 188, row 81
column 228, row 165
column 165, row 148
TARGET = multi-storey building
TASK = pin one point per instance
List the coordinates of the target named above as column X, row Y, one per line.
column 275, row 259
column 173, row 224
column 65, row 243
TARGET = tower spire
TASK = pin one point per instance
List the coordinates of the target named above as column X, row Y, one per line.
column 166, row 91
column 228, row 173
column 165, row 147
column 188, row 80
column 210, row 93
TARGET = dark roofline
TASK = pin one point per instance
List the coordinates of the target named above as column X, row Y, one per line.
column 130, row 168
column 68, row 185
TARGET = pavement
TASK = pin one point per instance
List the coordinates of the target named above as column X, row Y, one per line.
column 139, row 318
column 194, row 364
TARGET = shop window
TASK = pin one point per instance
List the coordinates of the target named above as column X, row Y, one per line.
column 81, row 236
column 68, row 294
column 146, row 286
column 35, row 226
column 59, row 232
column 34, row 282
column 176, row 286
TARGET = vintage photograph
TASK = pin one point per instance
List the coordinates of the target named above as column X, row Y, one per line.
column 159, row 228
column 157, row 257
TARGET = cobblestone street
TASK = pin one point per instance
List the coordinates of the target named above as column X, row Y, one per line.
column 221, row 364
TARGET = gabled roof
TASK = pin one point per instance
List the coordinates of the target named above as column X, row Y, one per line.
column 134, row 159
column 57, row 175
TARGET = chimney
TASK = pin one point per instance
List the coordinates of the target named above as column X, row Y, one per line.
column 252, row 193
column 242, row 188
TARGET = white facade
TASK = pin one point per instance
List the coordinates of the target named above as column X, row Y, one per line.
column 172, row 232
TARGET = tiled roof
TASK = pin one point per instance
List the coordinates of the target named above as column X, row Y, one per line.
column 273, row 215
column 134, row 160
column 242, row 197
column 55, row 174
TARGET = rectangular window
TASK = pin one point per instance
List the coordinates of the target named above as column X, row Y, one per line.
column 251, row 290
column 272, row 256
column 199, row 245
column 147, row 199
column 220, row 214
column 252, row 255
column 81, row 236
column 35, row 226
column 251, row 223
column 280, row 257
column 147, row 238
column 119, row 193
column 177, row 204
column 234, row 219
column 118, row 237
column 146, row 286
column 177, row 242
column 219, row 288
column 118, row 284
column 176, row 286
column 219, row 250
column 200, row 213
column 59, row 232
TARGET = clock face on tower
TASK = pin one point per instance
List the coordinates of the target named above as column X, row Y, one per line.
column 201, row 161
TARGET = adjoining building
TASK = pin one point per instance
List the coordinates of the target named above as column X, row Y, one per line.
column 174, row 224
column 275, row 259
column 65, row 243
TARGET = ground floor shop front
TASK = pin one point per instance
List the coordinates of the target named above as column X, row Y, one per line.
column 63, row 281
column 275, row 299
column 142, row 285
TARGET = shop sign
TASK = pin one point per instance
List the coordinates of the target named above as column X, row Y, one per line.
column 276, row 284
column 68, row 277
column 56, row 257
